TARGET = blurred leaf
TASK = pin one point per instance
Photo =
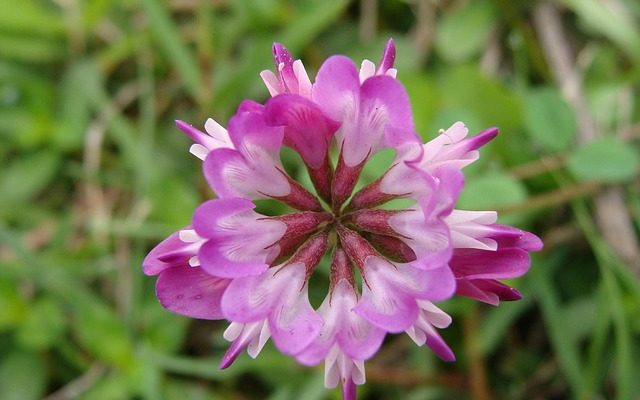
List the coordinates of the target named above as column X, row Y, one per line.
column 549, row 119
column 73, row 117
column 613, row 22
column 491, row 191
column 22, row 376
column 30, row 17
column 496, row 324
column 423, row 94
column 465, row 87
column 12, row 304
column 606, row 160
column 581, row 316
column 463, row 32
column 32, row 49
column 310, row 20
column 44, row 324
column 100, row 331
column 163, row 331
column 27, row 176
column 174, row 201
column 115, row 386
column 560, row 332
column 169, row 41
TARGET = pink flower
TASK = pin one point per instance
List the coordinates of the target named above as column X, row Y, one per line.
column 254, row 270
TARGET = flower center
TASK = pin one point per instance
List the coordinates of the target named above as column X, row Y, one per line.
column 351, row 227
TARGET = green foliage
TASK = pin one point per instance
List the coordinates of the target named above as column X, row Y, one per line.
column 463, row 32
column 95, row 174
column 605, row 160
column 549, row 119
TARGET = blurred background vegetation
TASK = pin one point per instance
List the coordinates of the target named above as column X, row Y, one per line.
column 94, row 174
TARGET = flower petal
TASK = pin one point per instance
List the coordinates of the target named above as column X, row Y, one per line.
column 178, row 253
column 240, row 241
column 382, row 302
column 306, row 129
column 294, row 324
column 385, row 105
column 483, row 264
column 191, row 291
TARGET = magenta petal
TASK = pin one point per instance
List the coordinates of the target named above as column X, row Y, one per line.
column 484, row 264
column 388, row 57
column 218, row 264
column 382, row 302
column 349, row 390
column 468, row 288
column 192, row 292
column 501, row 290
column 284, row 66
column 157, row 261
column 248, row 299
column 360, row 340
column 337, row 86
column 307, row 129
column 216, row 164
column 234, row 350
column 230, row 174
column 393, row 312
column 197, row 135
column 436, row 284
column 294, row 325
column 450, row 183
column 479, row 140
column 508, row 236
column 385, row 104
column 249, row 128
column 439, row 346
column 206, row 217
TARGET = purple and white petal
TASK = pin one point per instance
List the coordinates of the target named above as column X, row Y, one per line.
column 238, row 241
column 191, row 291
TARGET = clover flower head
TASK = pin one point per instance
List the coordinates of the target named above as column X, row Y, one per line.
column 388, row 267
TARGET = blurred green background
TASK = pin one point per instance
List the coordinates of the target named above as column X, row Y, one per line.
column 94, row 174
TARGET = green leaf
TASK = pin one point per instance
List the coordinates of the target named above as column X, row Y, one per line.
column 549, row 119
column 37, row 49
column 30, row 17
column 491, row 191
column 101, row 332
column 12, row 305
column 22, row 376
column 44, row 324
column 174, row 201
column 423, row 94
column 465, row 87
column 606, row 160
column 616, row 23
column 463, row 33
column 27, row 176
column 73, row 108
column 169, row 41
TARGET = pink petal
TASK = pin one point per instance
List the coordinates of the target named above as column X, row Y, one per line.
column 388, row 57
column 382, row 303
column 483, row 264
column 508, row 236
column 231, row 174
column 337, row 87
column 307, row 129
column 239, row 240
column 192, row 292
column 439, row 346
column 294, row 323
column 154, row 263
column 385, row 105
